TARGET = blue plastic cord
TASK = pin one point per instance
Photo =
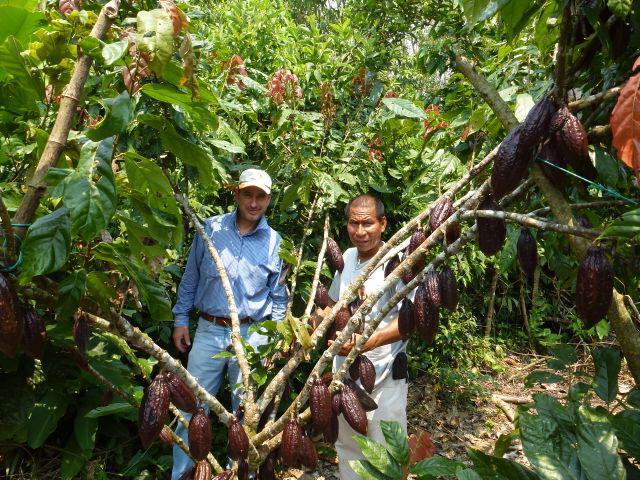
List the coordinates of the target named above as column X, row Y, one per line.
column 11, row 268
column 599, row 186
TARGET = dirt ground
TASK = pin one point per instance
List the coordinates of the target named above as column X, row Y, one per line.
column 477, row 423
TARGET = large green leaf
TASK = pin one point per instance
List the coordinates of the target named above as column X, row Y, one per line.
column 627, row 427
column 598, row 445
column 627, row 226
column 541, row 376
column 90, row 191
column 396, row 440
column 155, row 38
column 118, row 112
column 378, row 456
column 516, row 14
column 172, row 95
column 467, row 474
column 73, row 459
column 404, row 108
column 436, row 466
column 85, row 429
column 70, row 292
column 112, row 409
column 47, row 244
column 112, row 52
column 45, row 415
column 18, row 22
column 477, row 11
column 366, row 470
column 607, row 363
column 23, row 89
column 551, row 457
column 565, row 417
column 496, row 468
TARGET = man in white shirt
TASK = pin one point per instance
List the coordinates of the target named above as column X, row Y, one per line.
column 365, row 223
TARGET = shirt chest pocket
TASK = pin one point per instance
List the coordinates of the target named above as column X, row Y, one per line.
column 255, row 278
column 208, row 268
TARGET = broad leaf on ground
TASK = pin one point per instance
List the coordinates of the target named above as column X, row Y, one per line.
column 598, row 445
column 607, row 363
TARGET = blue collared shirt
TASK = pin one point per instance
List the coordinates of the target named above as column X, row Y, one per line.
column 253, row 267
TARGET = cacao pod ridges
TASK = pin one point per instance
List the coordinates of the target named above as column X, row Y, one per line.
column 334, row 255
column 290, row 443
column 153, row 410
column 491, row 232
column 320, row 403
column 510, row 164
column 352, row 410
column 527, row 253
column 594, row 287
column 199, row 435
column 237, row 440
column 181, row 395
column 34, row 335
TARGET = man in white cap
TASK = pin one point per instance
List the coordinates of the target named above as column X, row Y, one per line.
column 249, row 249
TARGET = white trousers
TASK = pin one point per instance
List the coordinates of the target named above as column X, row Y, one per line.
column 391, row 397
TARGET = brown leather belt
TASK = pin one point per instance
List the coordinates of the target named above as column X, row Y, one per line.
column 225, row 322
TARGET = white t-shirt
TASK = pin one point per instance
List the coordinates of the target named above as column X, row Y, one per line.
column 381, row 357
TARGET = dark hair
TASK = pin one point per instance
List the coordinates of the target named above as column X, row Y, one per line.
column 366, row 199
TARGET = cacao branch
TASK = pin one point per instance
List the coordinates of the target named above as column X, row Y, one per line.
column 60, row 131
column 592, row 100
column 560, row 87
column 579, row 206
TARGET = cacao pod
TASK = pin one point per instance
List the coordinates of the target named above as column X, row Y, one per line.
column 399, row 368
column 165, row 436
column 336, row 403
column 352, row 410
column 417, row 239
column 453, row 232
column 510, row 164
column 81, row 332
column 334, row 255
column 10, row 318
column 406, row 322
column 243, row 470
column 202, row 471
column 491, row 232
column 550, row 153
column 330, row 433
column 224, row 475
column 341, row 319
column 573, row 142
column 448, row 288
column 367, row 373
column 391, row 265
column 153, row 410
column 368, row 403
column 594, row 287
column 199, row 435
column 307, row 456
column 432, row 287
column 290, row 443
column 181, row 395
column 429, row 327
column 419, row 301
column 409, row 274
column 34, row 335
column 237, row 440
column 440, row 212
column 322, row 296
column 536, row 125
column 527, row 253
column 188, row 474
column 354, row 370
column 267, row 470
column 320, row 403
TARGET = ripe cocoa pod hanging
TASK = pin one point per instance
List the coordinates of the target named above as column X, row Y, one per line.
column 510, row 164
column 573, row 142
column 416, row 240
column 10, row 318
column 491, row 232
column 199, row 435
column 267, row 470
column 550, row 152
column 419, row 301
column 243, row 470
column 536, row 125
column 432, row 287
column 367, row 373
column 429, row 327
column 237, row 440
column 334, row 256
column 330, row 433
column 153, row 410
column 391, row 265
column 406, row 322
column 594, row 287
column 81, row 332
column 34, row 335
column 368, row 403
column 352, row 410
column 399, row 368
column 290, row 443
column 336, row 403
column 181, row 395
column 307, row 456
column 322, row 296
column 453, row 232
column 320, row 403
column 448, row 288
column 354, row 370
column 527, row 253
column 440, row 212
column 203, row 471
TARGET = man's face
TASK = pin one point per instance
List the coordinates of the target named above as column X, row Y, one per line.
column 252, row 203
column 364, row 228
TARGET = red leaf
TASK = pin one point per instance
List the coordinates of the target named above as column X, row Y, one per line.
column 625, row 125
column 420, row 446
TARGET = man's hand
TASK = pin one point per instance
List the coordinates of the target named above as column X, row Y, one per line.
column 349, row 344
column 181, row 338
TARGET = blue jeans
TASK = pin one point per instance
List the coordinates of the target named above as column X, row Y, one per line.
column 211, row 339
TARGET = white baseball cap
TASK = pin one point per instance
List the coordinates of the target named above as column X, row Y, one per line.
column 253, row 177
